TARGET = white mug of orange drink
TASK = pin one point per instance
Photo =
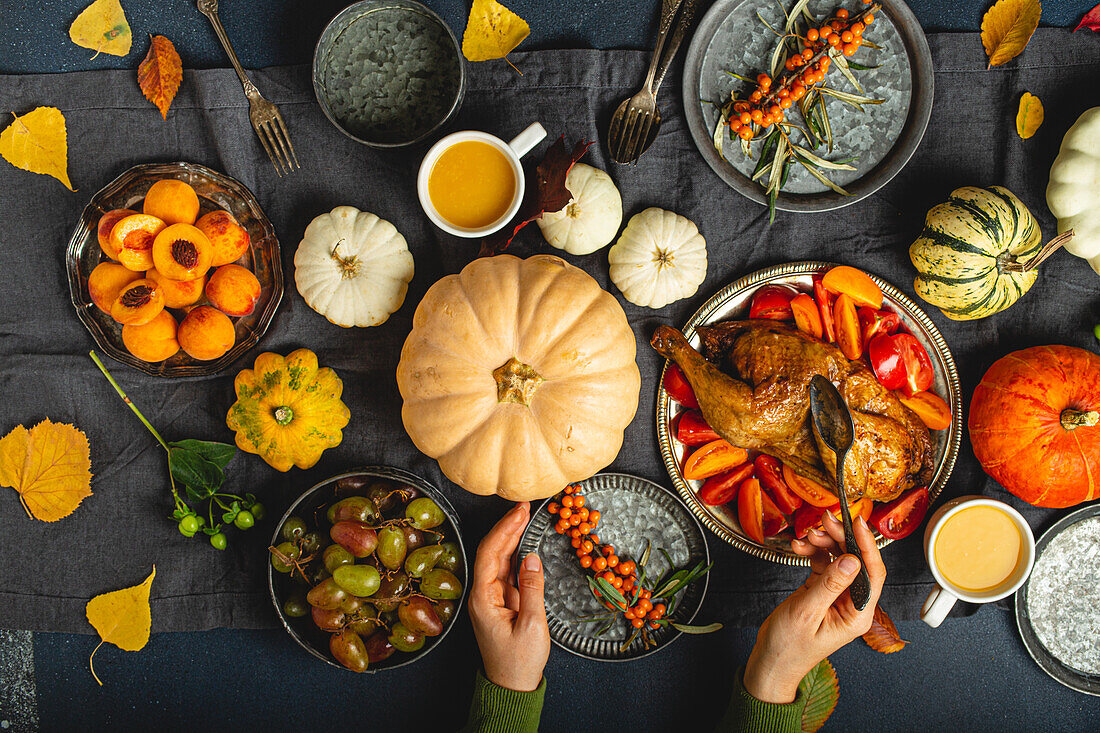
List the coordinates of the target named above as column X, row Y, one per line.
column 979, row 550
column 471, row 183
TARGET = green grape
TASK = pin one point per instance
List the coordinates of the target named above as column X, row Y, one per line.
column 451, row 559
column 364, row 626
column 393, row 587
column 424, row 513
column 289, row 550
column 404, row 639
column 310, row 543
column 441, row 585
column 296, row 606
column 335, row 556
column 391, row 547
column 445, row 610
column 358, row 580
column 355, row 509
column 422, row 560
column 293, row 528
column 327, row 595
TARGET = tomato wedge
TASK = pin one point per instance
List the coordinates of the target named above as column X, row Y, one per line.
column 825, row 307
column 854, row 283
column 902, row 516
column 918, row 367
column 930, row 408
column 770, row 472
column 774, row 522
column 678, row 387
column 849, row 336
column 806, row 315
column 714, row 458
column 773, row 302
column 750, row 510
column 861, row 507
column 722, row 489
column 811, row 491
column 692, row 429
column 884, row 353
column 873, row 322
column 900, row 362
column 806, row 518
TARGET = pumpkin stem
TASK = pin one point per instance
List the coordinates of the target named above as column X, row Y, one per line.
column 1072, row 419
column 663, row 257
column 283, row 415
column 516, row 382
column 1008, row 263
column 349, row 266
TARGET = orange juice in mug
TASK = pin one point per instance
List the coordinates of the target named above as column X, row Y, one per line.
column 979, row 550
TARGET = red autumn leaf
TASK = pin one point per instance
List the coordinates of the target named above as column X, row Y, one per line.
column 550, row 193
column 883, row 636
column 1091, row 20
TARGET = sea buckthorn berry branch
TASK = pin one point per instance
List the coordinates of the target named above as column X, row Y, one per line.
column 807, row 50
column 619, row 583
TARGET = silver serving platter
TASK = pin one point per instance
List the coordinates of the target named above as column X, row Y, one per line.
column 216, row 191
column 731, row 303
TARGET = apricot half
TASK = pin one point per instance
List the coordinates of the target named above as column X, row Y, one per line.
column 233, row 290
column 173, row 201
column 181, row 252
column 132, row 239
column 152, row 341
column 138, row 302
column 178, row 293
column 107, row 281
column 106, row 224
column 206, row 333
column 229, row 239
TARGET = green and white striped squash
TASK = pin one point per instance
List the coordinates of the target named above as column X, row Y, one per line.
column 967, row 241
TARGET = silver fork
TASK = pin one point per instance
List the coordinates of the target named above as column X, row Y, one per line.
column 264, row 116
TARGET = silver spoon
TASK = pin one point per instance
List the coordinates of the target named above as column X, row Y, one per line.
column 833, row 426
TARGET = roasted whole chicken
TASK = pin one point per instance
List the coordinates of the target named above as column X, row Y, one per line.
column 752, row 382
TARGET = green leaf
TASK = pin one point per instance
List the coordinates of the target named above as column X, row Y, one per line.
column 830, row 165
column 856, row 100
column 720, row 129
column 742, row 78
column 772, row 196
column 859, row 67
column 200, row 476
column 689, row 629
column 842, row 64
column 820, row 691
column 817, row 174
column 792, row 15
column 762, row 163
column 217, row 453
column 607, row 591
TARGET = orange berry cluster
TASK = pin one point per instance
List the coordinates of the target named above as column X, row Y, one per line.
column 766, row 107
column 579, row 523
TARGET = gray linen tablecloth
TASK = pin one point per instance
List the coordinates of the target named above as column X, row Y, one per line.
column 49, row 571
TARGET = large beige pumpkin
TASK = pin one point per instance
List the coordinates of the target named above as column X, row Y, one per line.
column 518, row 376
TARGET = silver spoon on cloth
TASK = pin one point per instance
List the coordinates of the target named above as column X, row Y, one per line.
column 833, row 426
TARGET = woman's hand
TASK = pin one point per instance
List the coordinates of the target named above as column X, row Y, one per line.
column 818, row 618
column 509, row 619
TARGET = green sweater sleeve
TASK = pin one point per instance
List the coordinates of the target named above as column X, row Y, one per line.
column 496, row 709
column 746, row 714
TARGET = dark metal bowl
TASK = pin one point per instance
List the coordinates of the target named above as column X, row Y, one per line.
column 216, row 191
column 315, row 500
column 345, row 19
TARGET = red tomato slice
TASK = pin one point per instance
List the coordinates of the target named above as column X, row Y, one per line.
column 750, row 510
column 849, row 336
column 861, row 507
column 806, row 518
column 902, row 516
column 722, row 489
column 930, row 408
column 774, row 521
column 873, row 322
column 885, row 355
column 773, row 302
column 918, row 367
column 811, row 491
column 770, row 472
column 692, row 429
column 714, row 458
column 678, row 387
column 825, row 306
column 806, row 315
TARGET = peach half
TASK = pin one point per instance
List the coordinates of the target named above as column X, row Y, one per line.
column 106, row 281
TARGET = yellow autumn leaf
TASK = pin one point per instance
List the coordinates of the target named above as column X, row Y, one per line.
column 159, row 75
column 102, row 27
column 36, row 142
column 1029, row 116
column 492, row 31
column 1007, row 27
column 49, row 467
column 122, row 617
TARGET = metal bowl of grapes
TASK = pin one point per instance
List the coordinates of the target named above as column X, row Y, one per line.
column 367, row 569
column 388, row 73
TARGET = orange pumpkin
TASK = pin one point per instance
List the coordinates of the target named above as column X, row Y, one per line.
column 1033, row 424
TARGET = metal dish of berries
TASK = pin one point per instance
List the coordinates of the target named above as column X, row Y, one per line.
column 796, row 504
column 367, row 569
column 626, row 515
column 229, row 304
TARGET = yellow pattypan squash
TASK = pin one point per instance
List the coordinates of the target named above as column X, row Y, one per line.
column 288, row 411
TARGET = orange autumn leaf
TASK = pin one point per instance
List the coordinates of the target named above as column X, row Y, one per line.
column 1007, row 27
column 883, row 636
column 122, row 617
column 160, row 74
column 49, row 466
column 1029, row 116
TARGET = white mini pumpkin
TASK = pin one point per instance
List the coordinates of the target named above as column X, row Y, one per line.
column 659, row 258
column 1073, row 193
column 352, row 267
column 591, row 218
